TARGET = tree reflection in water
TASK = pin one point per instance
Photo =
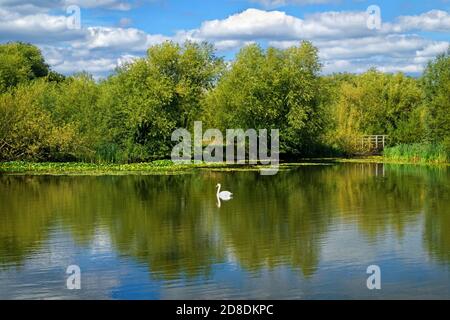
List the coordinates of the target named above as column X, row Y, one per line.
column 172, row 223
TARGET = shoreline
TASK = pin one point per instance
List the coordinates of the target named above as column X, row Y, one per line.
column 166, row 167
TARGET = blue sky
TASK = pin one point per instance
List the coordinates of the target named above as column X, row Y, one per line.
column 115, row 31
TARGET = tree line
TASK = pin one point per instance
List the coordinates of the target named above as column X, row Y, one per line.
column 130, row 116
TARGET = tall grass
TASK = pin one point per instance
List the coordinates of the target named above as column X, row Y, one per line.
column 418, row 153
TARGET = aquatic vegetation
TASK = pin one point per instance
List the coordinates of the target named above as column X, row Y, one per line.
column 418, row 153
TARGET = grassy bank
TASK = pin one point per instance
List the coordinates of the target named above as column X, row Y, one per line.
column 418, row 153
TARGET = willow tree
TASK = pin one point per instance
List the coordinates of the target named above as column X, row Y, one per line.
column 272, row 89
column 376, row 103
column 149, row 98
column 28, row 130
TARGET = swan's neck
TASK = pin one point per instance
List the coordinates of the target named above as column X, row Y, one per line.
column 218, row 190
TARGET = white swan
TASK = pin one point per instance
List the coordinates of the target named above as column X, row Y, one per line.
column 224, row 195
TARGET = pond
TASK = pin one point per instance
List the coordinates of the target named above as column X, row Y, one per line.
column 309, row 232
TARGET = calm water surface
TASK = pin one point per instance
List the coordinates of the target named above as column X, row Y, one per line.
column 307, row 233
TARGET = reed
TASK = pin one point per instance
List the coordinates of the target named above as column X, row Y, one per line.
column 418, row 153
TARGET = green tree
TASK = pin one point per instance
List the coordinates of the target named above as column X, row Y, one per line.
column 148, row 99
column 272, row 89
column 27, row 128
column 20, row 62
column 376, row 103
column 76, row 105
column 436, row 84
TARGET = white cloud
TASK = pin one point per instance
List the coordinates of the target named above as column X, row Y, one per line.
column 433, row 49
column 66, row 60
column 130, row 39
column 126, row 59
column 228, row 44
column 40, row 27
column 34, row 6
column 97, row 50
column 344, row 41
column 408, row 68
column 96, row 65
column 259, row 24
column 389, row 46
column 253, row 24
column 434, row 20
column 405, row 53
